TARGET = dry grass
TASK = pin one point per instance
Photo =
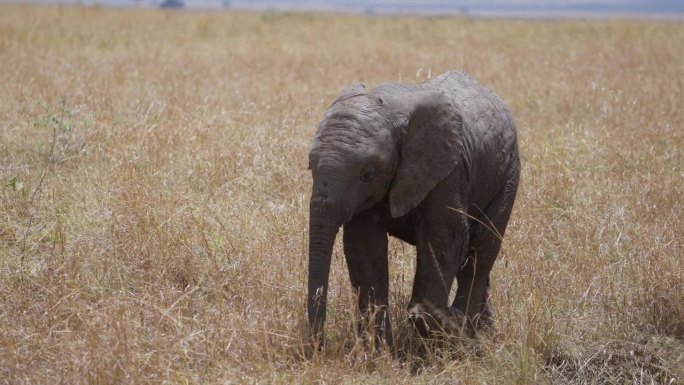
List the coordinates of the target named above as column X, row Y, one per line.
column 154, row 193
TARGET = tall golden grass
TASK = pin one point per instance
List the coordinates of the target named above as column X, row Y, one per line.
column 154, row 197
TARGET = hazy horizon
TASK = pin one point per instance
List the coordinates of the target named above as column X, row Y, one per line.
column 475, row 8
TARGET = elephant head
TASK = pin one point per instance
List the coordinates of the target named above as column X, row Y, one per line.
column 394, row 143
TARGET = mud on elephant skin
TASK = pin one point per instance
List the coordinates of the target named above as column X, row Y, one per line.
column 435, row 164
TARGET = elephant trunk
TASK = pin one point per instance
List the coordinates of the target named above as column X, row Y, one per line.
column 324, row 222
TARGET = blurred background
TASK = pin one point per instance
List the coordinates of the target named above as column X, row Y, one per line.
column 486, row 8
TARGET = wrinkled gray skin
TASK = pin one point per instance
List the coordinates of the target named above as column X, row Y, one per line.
column 427, row 163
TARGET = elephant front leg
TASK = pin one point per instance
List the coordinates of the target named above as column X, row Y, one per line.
column 365, row 249
column 441, row 248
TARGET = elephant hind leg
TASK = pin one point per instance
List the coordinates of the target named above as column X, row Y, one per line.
column 472, row 295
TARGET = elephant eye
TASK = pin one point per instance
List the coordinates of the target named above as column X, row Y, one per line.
column 368, row 175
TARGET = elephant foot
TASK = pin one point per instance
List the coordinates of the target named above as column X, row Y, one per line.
column 430, row 321
column 482, row 321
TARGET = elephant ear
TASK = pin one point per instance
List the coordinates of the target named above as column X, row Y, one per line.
column 430, row 149
column 350, row 91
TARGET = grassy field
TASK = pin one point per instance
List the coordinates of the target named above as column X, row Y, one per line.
column 154, row 197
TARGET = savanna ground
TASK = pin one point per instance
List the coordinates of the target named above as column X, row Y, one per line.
column 154, row 197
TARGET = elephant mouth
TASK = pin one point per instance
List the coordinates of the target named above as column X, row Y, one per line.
column 348, row 215
column 366, row 204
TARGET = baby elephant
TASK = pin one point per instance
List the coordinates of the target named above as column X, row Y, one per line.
column 434, row 164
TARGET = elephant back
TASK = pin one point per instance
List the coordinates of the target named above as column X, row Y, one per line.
column 482, row 109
